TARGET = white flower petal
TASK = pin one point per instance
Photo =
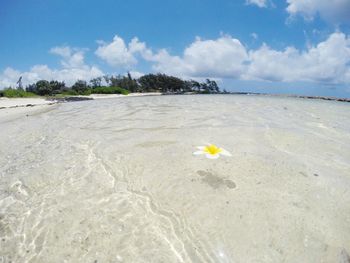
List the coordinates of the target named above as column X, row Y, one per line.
column 212, row 156
column 201, row 148
column 198, row 153
column 224, row 152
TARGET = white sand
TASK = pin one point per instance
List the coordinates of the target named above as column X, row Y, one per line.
column 22, row 102
column 13, row 108
column 110, row 96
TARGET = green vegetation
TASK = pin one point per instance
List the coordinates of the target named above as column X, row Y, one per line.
column 72, row 92
column 81, row 88
column 16, row 93
column 46, row 88
column 115, row 85
column 109, row 90
column 124, row 82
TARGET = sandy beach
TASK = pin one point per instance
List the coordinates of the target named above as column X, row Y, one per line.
column 22, row 102
column 11, row 108
column 29, row 102
column 115, row 180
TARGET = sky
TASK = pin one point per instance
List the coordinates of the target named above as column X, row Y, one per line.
column 274, row 46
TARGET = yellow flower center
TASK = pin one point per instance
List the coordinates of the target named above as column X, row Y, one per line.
column 212, row 149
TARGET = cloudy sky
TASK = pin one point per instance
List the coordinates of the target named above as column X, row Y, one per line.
column 276, row 46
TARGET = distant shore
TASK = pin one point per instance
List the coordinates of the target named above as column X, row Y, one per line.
column 293, row 96
column 8, row 103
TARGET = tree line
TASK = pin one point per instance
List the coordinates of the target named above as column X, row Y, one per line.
column 121, row 85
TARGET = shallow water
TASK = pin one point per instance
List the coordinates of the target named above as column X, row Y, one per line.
column 115, row 181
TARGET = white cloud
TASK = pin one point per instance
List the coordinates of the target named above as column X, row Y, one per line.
column 73, row 69
column 226, row 57
column 63, row 51
column 223, row 57
column 335, row 11
column 117, row 53
column 327, row 62
column 9, row 77
column 259, row 3
column 71, row 58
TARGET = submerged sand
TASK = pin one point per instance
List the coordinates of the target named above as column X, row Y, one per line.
column 115, row 181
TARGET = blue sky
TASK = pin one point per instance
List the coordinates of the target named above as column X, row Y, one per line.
column 277, row 46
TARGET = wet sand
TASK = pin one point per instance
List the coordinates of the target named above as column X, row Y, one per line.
column 115, row 180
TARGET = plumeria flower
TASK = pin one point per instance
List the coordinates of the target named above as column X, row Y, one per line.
column 211, row 151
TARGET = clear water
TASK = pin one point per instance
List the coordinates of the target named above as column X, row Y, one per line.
column 115, row 181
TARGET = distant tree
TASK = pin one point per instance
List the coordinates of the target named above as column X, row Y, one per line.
column 125, row 82
column 32, row 88
column 129, row 76
column 187, row 86
column 132, row 84
column 212, row 86
column 148, row 83
column 162, row 83
column 19, row 84
column 113, row 81
column 107, row 79
column 43, row 88
column 96, row 82
column 195, row 85
column 57, row 86
column 175, row 84
column 204, row 88
column 80, row 87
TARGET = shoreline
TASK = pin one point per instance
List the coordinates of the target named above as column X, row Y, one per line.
column 13, row 108
column 10, row 103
